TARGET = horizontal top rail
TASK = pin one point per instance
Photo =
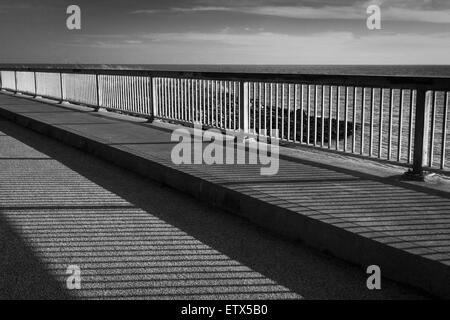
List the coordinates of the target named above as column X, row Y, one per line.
column 374, row 81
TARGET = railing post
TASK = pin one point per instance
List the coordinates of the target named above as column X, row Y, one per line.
column 153, row 98
column 243, row 106
column 97, row 86
column 35, row 84
column 420, row 136
column 15, row 82
column 61, row 86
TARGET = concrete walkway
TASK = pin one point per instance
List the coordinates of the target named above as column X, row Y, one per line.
column 364, row 215
column 133, row 238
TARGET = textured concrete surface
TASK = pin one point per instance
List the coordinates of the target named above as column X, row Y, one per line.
column 367, row 218
column 133, row 238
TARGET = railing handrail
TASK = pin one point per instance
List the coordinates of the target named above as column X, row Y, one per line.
column 375, row 81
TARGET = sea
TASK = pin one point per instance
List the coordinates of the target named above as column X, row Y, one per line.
column 388, row 70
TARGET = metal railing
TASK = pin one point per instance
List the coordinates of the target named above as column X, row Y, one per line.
column 396, row 119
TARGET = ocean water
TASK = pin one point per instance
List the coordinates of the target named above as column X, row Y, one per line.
column 399, row 70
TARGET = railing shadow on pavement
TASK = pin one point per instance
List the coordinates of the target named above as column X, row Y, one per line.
column 138, row 215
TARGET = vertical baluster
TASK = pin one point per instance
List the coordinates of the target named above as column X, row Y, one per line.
column 173, row 93
column 169, row 99
column 104, row 85
column 338, row 111
column 202, row 100
column 391, row 107
column 355, row 96
column 308, row 127
column 126, row 83
column 289, row 112
column 186, row 100
column 244, row 98
column 160, row 88
column 295, row 111
column 181, row 99
column 132, row 85
column 363, row 119
column 316, row 106
column 227, row 93
column 106, row 94
column 254, row 107
column 111, row 79
column 216, row 103
column 161, row 97
column 225, row 104
column 221, row 90
column 166, row 98
column 234, row 105
column 112, row 88
column 322, row 120
column 330, row 117
column 444, row 131
column 122, row 81
column 174, row 99
column 135, row 95
column 189, row 96
column 400, row 127
column 165, row 90
column 139, row 95
column 380, row 132
column 149, row 98
column 277, row 97
column 259, row 108
column 433, row 123
column 372, row 106
column 157, row 95
column 302, row 97
column 282, row 109
column 410, row 127
column 271, row 109
column 128, row 92
column 346, row 118
column 266, row 93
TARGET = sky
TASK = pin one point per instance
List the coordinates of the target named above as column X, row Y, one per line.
column 225, row 32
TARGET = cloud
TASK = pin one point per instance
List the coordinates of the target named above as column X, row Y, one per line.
column 392, row 10
column 277, row 48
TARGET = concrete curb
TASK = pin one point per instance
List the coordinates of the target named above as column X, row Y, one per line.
column 429, row 275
